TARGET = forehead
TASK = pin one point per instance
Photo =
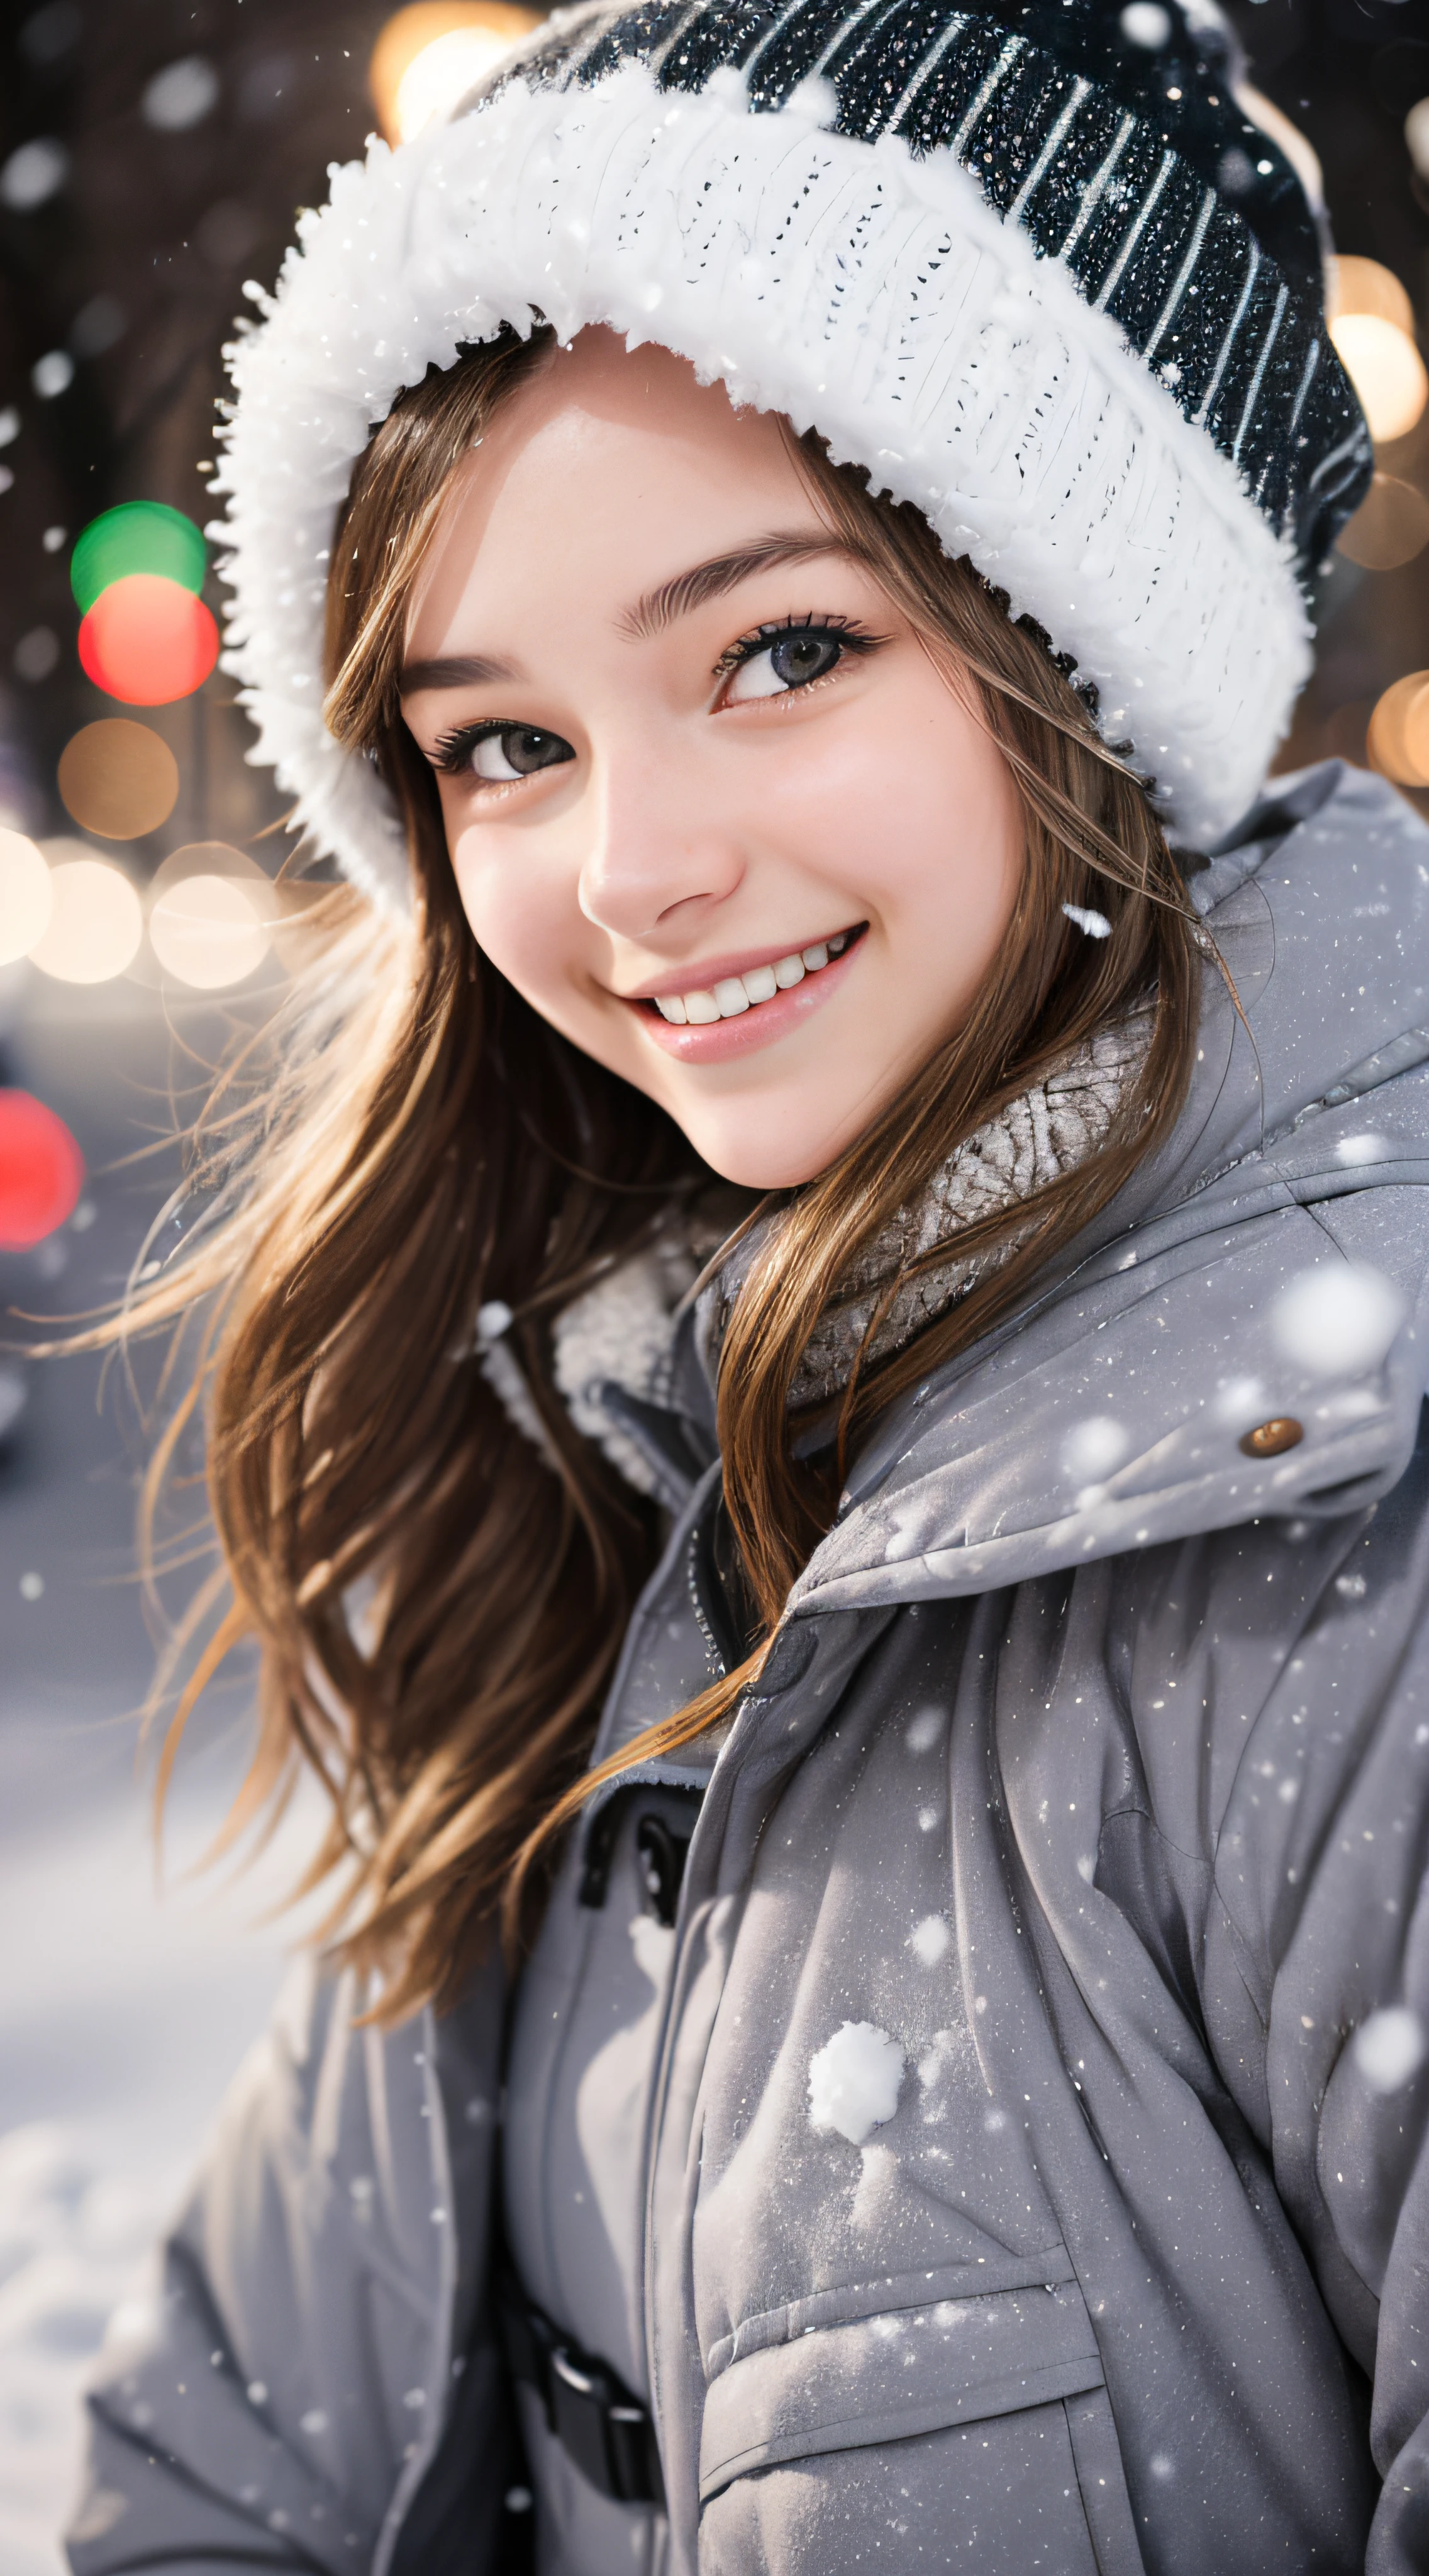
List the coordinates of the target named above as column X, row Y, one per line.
column 605, row 471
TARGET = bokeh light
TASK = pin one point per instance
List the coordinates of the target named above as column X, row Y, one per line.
column 97, row 326
column 96, row 922
column 53, row 374
column 430, row 54
column 147, row 640
column 33, row 174
column 212, row 915
column 206, row 930
column 1390, row 526
column 1372, row 325
column 1398, row 742
column 1386, row 371
column 26, row 896
column 139, row 536
column 118, row 778
column 41, row 1171
column 180, row 95
column 1367, row 286
column 35, row 654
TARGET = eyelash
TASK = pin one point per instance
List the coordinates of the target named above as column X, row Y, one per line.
column 453, row 750
column 746, row 648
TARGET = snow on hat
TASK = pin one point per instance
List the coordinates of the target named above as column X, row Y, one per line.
column 1031, row 266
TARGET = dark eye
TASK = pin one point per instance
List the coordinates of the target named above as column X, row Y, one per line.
column 501, row 751
column 788, row 661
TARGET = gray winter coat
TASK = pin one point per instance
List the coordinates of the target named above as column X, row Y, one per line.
column 1013, row 2156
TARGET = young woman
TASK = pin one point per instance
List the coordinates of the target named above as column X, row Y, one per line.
column 818, row 1356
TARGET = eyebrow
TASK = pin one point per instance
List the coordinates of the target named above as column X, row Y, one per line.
column 688, row 591
column 453, row 671
column 651, row 614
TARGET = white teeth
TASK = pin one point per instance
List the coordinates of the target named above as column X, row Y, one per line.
column 735, row 993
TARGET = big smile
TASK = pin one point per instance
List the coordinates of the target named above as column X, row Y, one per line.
column 734, row 994
column 764, row 1000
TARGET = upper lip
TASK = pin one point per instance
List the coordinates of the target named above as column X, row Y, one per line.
column 703, row 973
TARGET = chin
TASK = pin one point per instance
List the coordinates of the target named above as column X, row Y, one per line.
column 766, row 1157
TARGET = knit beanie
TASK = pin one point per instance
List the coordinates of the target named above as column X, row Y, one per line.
column 1028, row 263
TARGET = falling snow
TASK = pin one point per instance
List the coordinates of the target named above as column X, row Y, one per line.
column 1093, row 1448
column 1389, row 2048
column 1337, row 1320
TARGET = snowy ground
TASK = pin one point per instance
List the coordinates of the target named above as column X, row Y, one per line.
column 124, row 2005
column 125, row 2012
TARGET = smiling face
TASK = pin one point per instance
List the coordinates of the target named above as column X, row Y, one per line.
column 711, row 807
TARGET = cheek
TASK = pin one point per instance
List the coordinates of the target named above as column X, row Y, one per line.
column 961, row 841
column 517, row 914
column 913, row 809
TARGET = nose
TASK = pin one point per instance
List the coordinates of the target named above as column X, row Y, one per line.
column 657, row 854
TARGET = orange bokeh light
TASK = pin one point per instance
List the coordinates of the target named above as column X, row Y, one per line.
column 1399, row 732
column 118, row 778
column 147, row 641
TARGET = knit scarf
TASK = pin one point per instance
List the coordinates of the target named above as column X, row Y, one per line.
column 1048, row 1130
column 622, row 1330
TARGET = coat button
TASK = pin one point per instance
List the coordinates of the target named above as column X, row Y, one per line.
column 1268, row 1439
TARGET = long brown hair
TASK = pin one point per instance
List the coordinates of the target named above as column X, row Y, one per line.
column 439, row 1604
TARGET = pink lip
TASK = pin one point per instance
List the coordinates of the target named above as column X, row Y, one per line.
column 705, row 972
column 761, row 1025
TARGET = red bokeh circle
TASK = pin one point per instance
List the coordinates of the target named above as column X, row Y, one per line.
column 41, row 1171
column 147, row 641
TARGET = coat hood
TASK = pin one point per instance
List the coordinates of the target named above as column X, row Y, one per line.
column 1266, row 1268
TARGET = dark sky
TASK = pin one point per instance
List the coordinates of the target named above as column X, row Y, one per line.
column 133, row 269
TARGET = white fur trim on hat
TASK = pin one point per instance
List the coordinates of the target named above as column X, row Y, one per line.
column 875, row 297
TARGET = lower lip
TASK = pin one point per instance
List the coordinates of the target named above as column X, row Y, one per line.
column 763, row 1024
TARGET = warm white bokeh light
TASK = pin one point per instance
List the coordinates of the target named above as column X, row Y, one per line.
column 442, row 73
column 96, row 924
column 431, row 53
column 1354, row 285
column 1390, row 527
column 207, row 931
column 1386, row 371
column 26, row 896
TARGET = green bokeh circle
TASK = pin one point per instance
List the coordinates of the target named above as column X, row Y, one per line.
column 140, row 536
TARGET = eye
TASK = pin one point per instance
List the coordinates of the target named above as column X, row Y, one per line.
column 498, row 752
column 780, row 659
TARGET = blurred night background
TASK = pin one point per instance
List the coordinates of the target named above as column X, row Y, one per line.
column 152, row 157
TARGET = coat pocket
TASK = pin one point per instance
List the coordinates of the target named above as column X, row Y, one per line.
column 884, row 2376
column 800, row 2390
